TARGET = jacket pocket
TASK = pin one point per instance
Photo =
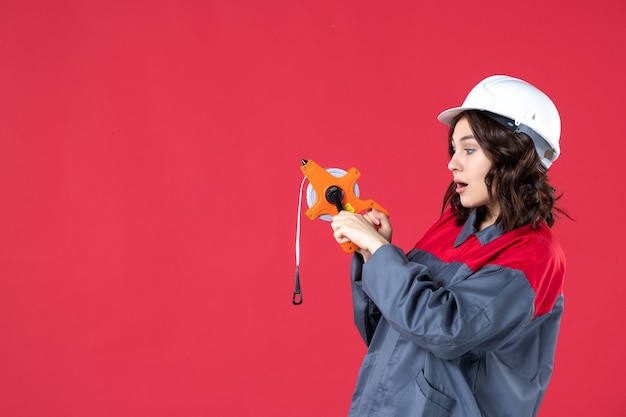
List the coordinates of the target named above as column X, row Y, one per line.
column 437, row 403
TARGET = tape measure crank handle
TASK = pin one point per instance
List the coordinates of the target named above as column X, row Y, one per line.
column 334, row 196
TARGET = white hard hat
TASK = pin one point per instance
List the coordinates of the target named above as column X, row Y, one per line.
column 523, row 108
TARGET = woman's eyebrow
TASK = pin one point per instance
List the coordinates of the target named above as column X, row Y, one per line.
column 462, row 138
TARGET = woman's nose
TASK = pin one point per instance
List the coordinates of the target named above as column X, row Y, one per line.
column 453, row 164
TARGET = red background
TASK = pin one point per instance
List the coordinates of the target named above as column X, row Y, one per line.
column 149, row 172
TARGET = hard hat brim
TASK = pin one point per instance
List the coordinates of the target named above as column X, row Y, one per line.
column 447, row 116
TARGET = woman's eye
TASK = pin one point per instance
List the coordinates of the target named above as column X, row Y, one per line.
column 469, row 151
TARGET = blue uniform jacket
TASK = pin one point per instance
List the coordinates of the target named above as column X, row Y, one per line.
column 464, row 325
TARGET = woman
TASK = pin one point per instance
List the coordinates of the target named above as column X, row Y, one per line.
column 466, row 323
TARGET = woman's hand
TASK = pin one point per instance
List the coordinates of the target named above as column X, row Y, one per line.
column 368, row 231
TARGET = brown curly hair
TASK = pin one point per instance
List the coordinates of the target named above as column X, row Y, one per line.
column 517, row 177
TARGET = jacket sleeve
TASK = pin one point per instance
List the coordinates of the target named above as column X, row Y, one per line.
column 478, row 311
column 366, row 314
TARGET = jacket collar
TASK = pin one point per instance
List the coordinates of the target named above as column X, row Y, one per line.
column 484, row 236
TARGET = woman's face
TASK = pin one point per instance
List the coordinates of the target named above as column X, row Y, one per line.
column 469, row 165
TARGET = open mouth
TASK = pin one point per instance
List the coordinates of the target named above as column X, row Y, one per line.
column 460, row 186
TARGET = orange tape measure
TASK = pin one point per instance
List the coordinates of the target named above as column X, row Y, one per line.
column 334, row 194
column 329, row 192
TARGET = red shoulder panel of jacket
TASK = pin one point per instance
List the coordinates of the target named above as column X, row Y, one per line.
column 535, row 252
